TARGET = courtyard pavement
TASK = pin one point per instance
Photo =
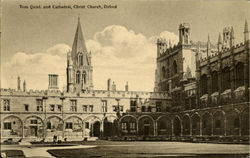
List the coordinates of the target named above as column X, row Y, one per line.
column 128, row 149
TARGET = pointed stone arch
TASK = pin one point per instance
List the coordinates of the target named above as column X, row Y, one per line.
column 196, row 124
column 219, row 122
column 128, row 125
column 164, row 125
column 146, row 125
column 245, row 122
column 207, row 121
column 186, row 123
column 12, row 126
column 177, row 126
column 233, row 122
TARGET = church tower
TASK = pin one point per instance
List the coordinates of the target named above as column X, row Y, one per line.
column 79, row 66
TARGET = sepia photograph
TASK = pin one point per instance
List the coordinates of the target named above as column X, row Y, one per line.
column 124, row 78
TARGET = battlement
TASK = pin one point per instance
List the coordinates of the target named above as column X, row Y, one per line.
column 169, row 50
column 224, row 53
column 91, row 93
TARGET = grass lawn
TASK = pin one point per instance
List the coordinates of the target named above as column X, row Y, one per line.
column 13, row 153
column 152, row 149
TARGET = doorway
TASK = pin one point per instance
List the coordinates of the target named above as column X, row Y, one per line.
column 96, row 129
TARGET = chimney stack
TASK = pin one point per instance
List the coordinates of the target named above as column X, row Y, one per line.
column 24, row 86
column 53, row 81
column 109, row 84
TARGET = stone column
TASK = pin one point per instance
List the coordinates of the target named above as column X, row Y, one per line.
column 225, row 121
column 246, row 71
column 137, row 127
column 155, row 128
column 212, row 126
column 23, row 130
column 172, row 127
column 181, row 128
column 191, row 128
column 201, row 126
column 232, row 80
column 219, row 86
column 83, row 130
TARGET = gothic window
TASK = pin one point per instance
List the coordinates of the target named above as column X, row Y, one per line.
column 226, row 84
column 175, row 68
column 203, row 84
column 48, row 125
column 39, row 105
column 69, row 125
column 158, row 106
column 163, row 72
column 84, row 77
column 80, row 59
column 239, row 74
column 78, row 77
column 73, row 105
column 6, row 105
column 214, row 81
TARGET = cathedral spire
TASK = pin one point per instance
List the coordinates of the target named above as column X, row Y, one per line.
column 246, row 33
column 79, row 42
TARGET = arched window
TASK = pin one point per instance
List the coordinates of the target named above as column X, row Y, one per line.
column 163, row 72
column 204, row 84
column 80, row 60
column 175, row 68
column 214, row 81
column 239, row 74
column 84, row 77
column 226, row 84
column 78, row 77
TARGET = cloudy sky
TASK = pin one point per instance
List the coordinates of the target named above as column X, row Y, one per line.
column 122, row 40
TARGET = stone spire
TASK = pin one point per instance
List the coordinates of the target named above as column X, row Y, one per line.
column 246, row 33
column 79, row 42
column 208, row 46
column 219, row 43
column 232, row 37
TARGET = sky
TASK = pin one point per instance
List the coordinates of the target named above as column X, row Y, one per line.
column 34, row 42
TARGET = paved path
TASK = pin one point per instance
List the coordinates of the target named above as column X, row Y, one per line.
column 32, row 151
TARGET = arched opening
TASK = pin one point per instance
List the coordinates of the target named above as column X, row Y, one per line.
column 33, row 127
column 226, row 82
column 175, row 67
column 96, row 129
column 128, row 125
column 196, row 124
column 186, row 125
column 215, row 82
column 110, row 125
column 80, row 59
column 163, row 71
column 233, row 122
column 73, row 127
column 12, row 127
column 239, row 74
column 146, row 126
column 245, row 122
column 177, row 126
column 206, row 124
column 84, row 77
column 164, row 126
column 203, row 84
column 54, row 127
column 78, row 77
column 219, row 123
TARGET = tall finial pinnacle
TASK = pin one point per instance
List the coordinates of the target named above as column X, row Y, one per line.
column 78, row 17
column 246, row 27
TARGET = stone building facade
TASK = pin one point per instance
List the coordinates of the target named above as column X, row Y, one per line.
column 208, row 86
column 74, row 114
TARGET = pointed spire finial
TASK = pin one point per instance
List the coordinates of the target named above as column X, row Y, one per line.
column 232, row 33
column 219, row 39
column 246, row 27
